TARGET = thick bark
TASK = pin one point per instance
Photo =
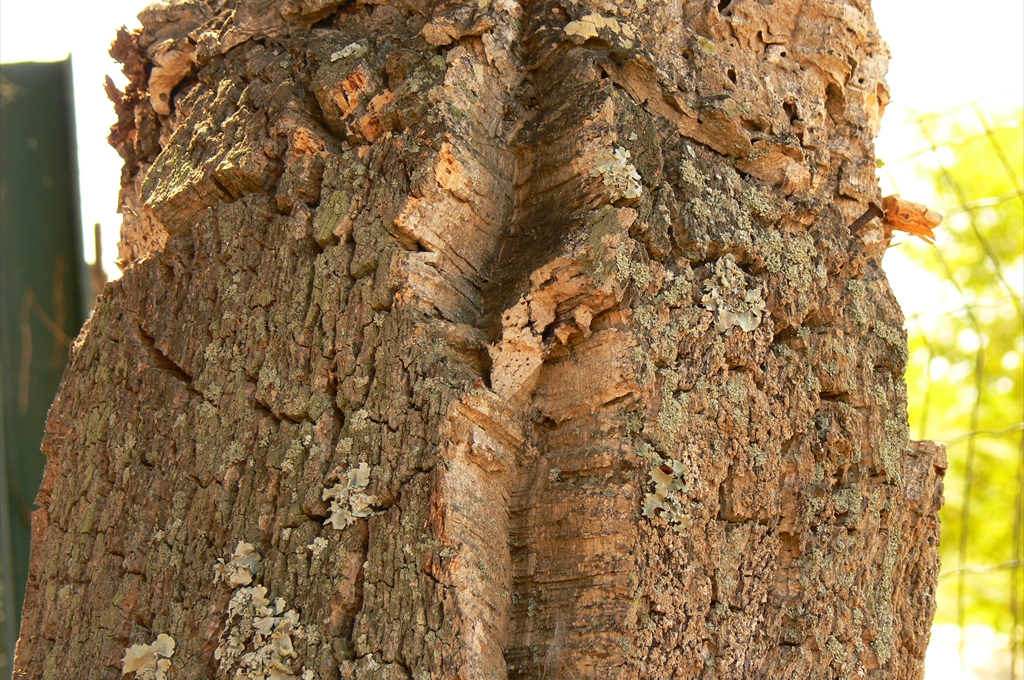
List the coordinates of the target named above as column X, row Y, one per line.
column 557, row 302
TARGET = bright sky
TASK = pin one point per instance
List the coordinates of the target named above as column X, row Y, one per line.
column 84, row 29
column 944, row 53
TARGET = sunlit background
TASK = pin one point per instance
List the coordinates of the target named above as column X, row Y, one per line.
column 952, row 138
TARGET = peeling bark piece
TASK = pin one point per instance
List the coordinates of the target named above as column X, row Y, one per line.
column 458, row 21
column 172, row 61
column 517, row 358
column 781, row 166
column 715, row 121
column 597, row 372
column 344, row 90
column 913, row 218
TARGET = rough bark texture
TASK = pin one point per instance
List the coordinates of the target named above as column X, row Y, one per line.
column 574, row 280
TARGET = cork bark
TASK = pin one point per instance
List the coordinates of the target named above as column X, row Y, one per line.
column 491, row 340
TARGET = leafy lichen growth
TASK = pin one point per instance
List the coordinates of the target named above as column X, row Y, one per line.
column 242, row 567
column 149, row 662
column 257, row 638
column 621, row 180
column 317, row 546
column 667, row 476
column 355, row 51
column 348, row 501
column 726, row 294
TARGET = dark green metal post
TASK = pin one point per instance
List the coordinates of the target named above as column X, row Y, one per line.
column 41, row 305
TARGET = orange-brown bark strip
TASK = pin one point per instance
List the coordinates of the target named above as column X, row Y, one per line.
column 558, row 303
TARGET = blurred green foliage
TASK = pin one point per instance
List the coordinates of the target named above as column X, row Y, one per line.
column 966, row 373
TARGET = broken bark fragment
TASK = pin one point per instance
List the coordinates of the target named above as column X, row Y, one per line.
column 913, row 218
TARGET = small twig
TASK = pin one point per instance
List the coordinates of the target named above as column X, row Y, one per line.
column 982, row 569
column 873, row 212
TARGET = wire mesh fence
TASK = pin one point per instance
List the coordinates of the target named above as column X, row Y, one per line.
column 965, row 377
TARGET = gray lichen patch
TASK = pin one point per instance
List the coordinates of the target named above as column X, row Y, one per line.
column 347, row 497
column 149, row 662
column 792, row 257
column 883, row 644
column 892, row 449
column 726, row 294
column 621, row 180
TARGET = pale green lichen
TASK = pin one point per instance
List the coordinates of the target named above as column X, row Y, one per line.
column 646, row 452
column 759, row 203
column 677, row 287
column 894, row 338
column 644, row 366
column 736, row 390
column 705, row 45
column 883, row 642
column 633, row 423
column 689, row 174
column 836, row 649
column 758, row 455
column 726, row 294
column 627, row 269
column 644, row 315
column 790, row 257
column 672, row 415
column 848, row 500
column 621, row 180
column 354, row 50
column 700, row 208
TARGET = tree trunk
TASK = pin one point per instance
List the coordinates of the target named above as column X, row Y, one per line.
column 486, row 340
